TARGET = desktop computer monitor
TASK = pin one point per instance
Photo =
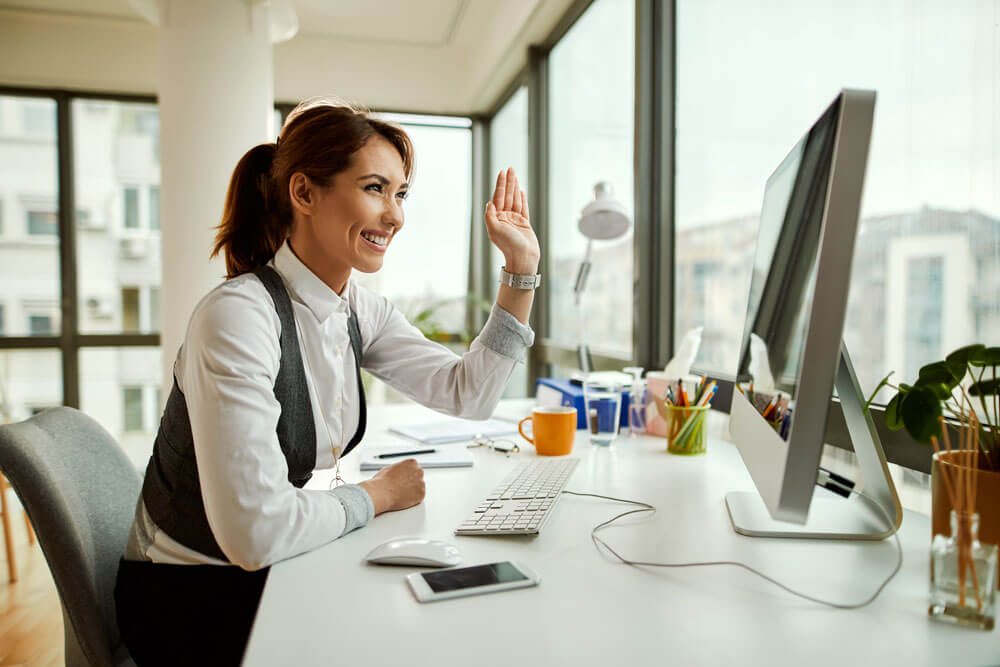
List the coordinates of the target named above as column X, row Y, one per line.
column 791, row 350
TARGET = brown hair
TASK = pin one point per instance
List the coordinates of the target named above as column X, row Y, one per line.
column 319, row 139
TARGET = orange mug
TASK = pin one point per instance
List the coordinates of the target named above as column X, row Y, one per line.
column 553, row 428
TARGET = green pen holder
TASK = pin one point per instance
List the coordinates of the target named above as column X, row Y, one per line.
column 685, row 428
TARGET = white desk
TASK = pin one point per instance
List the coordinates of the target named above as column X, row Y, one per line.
column 328, row 607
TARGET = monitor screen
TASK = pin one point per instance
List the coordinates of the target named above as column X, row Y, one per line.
column 784, row 273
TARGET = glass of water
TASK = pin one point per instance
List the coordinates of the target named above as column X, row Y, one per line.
column 603, row 400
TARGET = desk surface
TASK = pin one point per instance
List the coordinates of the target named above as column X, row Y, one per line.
column 328, row 605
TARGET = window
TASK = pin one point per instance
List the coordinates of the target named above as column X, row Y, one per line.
column 42, row 223
column 131, row 409
column 154, row 207
column 40, row 325
column 509, row 148
column 591, row 120
column 38, row 119
column 117, row 176
column 1, row 320
column 930, row 216
column 130, row 208
column 130, row 309
column 437, row 212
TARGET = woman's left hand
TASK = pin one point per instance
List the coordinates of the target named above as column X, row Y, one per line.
column 509, row 226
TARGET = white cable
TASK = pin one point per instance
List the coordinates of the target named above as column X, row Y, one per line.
column 646, row 507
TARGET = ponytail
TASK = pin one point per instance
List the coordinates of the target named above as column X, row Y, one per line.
column 253, row 225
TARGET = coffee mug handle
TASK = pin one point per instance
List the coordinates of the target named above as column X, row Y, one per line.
column 520, row 427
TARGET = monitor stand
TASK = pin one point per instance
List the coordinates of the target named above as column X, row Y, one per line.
column 832, row 517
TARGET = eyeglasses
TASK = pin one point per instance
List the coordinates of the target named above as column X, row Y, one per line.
column 507, row 447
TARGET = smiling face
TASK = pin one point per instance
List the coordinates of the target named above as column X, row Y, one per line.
column 351, row 223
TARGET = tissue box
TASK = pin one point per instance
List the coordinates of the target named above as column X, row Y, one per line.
column 559, row 391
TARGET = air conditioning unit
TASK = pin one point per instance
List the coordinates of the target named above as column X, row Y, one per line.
column 134, row 247
column 100, row 308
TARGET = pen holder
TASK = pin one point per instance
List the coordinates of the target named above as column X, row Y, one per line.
column 685, row 428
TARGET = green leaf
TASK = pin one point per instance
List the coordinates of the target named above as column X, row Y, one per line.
column 892, row 419
column 985, row 388
column 990, row 357
column 920, row 411
column 964, row 355
column 940, row 372
column 941, row 390
column 905, row 388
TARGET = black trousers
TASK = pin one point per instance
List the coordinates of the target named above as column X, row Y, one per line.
column 186, row 614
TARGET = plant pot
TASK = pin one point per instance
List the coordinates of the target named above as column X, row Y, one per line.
column 987, row 499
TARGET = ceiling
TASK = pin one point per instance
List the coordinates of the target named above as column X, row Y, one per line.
column 445, row 56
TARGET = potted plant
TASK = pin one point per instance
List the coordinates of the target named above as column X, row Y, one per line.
column 956, row 400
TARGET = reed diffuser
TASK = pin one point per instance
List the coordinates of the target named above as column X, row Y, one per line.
column 963, row 570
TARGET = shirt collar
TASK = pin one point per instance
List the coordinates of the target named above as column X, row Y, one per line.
column 306, row 287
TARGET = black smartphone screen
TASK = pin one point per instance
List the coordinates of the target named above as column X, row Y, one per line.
column 470, row 577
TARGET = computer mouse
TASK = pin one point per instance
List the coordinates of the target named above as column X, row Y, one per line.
column 415, row 551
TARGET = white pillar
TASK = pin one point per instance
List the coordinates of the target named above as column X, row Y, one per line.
column 216, row 99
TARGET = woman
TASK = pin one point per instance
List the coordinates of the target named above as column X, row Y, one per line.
column 267, row 384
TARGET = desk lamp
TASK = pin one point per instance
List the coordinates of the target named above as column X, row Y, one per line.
column 603, row 219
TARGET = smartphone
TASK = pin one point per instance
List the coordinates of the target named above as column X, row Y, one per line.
column 461, row 581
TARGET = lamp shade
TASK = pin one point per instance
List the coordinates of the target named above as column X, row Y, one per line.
column 604, row 218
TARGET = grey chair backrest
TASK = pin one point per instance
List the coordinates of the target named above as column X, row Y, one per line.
column 79, row 490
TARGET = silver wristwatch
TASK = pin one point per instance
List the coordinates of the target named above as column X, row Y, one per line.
column 520, row 280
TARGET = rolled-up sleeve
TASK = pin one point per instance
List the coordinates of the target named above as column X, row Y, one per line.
column 466, row 386
column 227, row 374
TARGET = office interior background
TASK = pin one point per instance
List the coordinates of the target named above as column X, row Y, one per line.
column 683, row 106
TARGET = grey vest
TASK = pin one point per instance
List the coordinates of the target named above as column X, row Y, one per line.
column 171, row 489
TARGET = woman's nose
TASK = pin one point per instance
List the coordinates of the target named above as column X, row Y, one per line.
column 393, row 214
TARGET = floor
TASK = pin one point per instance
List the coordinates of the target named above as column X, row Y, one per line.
column 31, row 629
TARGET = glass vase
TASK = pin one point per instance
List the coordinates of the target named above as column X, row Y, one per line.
column 963, row 575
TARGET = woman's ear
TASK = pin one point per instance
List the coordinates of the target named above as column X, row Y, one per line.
column 301, row 194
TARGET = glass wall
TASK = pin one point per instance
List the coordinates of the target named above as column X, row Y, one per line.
column 591, row 120
column 30, row 381
column 509, row 148
column 752, row 77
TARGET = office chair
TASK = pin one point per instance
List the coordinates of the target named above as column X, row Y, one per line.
column 79, row 490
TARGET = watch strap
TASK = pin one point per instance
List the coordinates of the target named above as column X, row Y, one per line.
column 520, row 280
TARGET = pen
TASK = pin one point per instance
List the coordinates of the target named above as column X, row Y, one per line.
column 414, row 452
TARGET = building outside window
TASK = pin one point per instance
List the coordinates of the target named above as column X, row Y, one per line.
column 40, row 325
column 154, row 207
column 132, row 409
column 42, row 222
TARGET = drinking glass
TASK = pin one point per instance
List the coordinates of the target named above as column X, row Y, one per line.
column 603, row 401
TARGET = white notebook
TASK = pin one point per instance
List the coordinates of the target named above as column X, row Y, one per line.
column 455, row 430
column 447, row 456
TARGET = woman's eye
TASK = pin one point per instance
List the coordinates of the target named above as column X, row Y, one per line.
column 376, row 187
column 402, row 195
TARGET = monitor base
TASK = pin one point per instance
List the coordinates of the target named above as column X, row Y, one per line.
column 829, row 518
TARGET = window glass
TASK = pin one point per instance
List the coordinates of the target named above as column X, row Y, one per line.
column 30, row 380
column 117, row 172
column 509, row 148
column 29, row 197
column 119, row 387
column 753, row 76
column 591, row 120
column 40, row 325
column 1, row 320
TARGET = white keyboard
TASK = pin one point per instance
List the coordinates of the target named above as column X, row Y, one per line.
column 522, row 502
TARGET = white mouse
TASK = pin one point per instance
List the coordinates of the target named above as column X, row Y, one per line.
column 415, row 551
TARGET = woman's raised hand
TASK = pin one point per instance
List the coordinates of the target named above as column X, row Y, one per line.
column 509, row 225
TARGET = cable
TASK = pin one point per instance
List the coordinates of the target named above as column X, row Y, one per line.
column 646, row 507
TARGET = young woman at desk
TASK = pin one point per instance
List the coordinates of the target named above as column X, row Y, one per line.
column 267, row 385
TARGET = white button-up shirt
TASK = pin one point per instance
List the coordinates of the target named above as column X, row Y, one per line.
column 226, row 370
